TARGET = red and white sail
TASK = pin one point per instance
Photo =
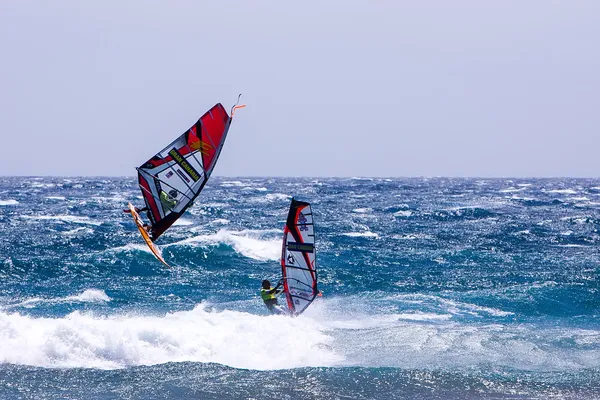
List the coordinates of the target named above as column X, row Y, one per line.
column 175, row 176
column 298, row 262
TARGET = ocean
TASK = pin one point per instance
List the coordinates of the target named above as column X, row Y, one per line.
column 433, row 288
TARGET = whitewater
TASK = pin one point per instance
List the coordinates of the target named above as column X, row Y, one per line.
column 433, row 288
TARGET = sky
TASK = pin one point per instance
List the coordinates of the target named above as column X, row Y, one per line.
column 333, row 88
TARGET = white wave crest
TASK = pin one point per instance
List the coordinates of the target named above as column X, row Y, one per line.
column 43, row 185
column 582, row 198
column 249, row 243
column 345, row 331
column 9, row 202
column 219, row 221
column 562, row 191
column 78, row 231
column 87, row 296
column 512, row 190
column 412, row 236
column 230, row 338
column 277, row 197
column 366, row 234
column 131, row 247
column 63, row 218
column 231, row 184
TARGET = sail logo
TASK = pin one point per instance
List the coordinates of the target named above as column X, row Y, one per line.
column 182, row 175
column 182, row 162
column 302, row 247
column 290, row 259
column 202, row 147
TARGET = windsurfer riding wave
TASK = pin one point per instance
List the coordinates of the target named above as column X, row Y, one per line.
column 269, row 296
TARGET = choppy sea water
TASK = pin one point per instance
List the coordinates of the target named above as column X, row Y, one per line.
column 433, row 288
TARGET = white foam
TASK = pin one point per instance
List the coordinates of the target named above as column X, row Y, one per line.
column 29, row 303
column 277, row 197
column 116, row 198
column 577, row 219
column 214, row 204
column 420, row 339
column 332, row 332
column 562, row 191
column 419, row 316
column 56, row 198
column 87, row 296
column 367, row 234
column 230, row 338
column 80, row 230
column 219, row 221
column 512, row 190
column 231, row 184
column 365, row 210
column 403, row 213
column 583, row 198
column 63, row 218
column 412, row 236
column 249, row 243
column 523, row 198
column 447, row 306
column 473, row 309
column 9, row 202
column 131, row 247
column 43, row 185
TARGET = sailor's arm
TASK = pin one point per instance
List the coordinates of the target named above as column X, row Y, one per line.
column 276, row 289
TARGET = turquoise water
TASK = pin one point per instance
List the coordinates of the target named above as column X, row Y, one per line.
column 433, row 288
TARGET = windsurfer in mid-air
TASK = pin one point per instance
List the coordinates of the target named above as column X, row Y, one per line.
column 269, row 296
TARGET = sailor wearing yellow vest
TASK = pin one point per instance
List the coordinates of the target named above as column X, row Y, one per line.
column 269, row 296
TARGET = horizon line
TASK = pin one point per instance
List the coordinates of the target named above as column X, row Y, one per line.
column 321, row 176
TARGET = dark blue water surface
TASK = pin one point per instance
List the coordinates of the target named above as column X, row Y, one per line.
column 433, row 288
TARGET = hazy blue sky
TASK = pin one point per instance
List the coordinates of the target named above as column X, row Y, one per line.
column 334, row 88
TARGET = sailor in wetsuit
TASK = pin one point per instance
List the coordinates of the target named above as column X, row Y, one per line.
column 269, row 296
column 168, row 200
